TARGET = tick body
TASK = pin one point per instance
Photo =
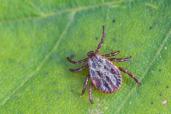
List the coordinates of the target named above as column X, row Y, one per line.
column 104, row 75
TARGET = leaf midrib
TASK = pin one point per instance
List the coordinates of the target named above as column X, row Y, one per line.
column 157, row 54
column 30, row 76
column 72, row 12
column 57, row 13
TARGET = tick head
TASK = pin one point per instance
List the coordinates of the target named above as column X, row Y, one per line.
column 90, row 54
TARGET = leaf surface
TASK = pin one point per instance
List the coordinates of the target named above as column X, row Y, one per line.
column 37, row 36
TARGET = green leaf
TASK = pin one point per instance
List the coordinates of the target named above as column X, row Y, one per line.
column 36, row 37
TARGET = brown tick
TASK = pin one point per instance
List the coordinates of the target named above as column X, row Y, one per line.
column 103, row 74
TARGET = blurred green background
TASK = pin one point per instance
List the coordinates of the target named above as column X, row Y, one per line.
column 37, row 35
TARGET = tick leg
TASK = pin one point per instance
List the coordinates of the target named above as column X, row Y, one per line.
column 76, row 62
column 78, row 69
column 131, row 75
column 90, row 94
column 111, row 54
column 120, row 59
column 85, row 85
column 101, row 41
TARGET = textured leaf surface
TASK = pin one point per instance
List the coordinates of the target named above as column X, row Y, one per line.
column 36, row 36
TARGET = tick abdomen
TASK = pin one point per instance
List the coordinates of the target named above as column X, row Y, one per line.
column 104, row 75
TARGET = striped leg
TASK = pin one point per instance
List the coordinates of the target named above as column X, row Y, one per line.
column 76, row 62
column 131, row 75
column 113, row 53
column 90, row 94
column 78, row 69
column 85, row 85
column 126, row 59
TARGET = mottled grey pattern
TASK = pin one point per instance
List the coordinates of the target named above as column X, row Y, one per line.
column 104, row 75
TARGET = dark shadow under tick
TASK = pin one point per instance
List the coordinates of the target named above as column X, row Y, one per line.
column 150, row 27
column 113, row 21
column 151, row 102
column 96, row 38
column 72, row 55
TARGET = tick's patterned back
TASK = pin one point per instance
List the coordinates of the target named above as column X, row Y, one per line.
column 104, row 75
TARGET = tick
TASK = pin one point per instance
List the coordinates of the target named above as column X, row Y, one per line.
column 103, row 74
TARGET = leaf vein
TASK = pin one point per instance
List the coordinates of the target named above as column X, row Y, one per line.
column 43, row 15
column 161, row 47
column 8, row 97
